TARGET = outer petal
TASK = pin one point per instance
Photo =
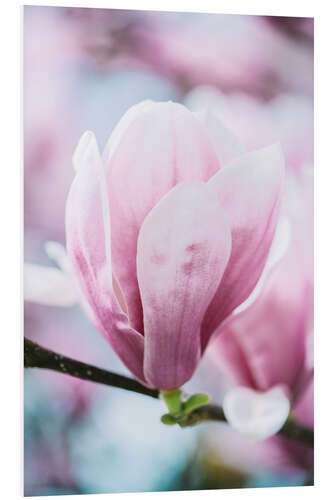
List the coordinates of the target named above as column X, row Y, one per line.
column 58, row 254
column 183, row 248
column 89, row 253
column 249, row 191
column 163, row 146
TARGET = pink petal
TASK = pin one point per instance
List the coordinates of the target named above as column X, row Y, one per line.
column 270, row 334
column 183, row 249
column 87, row 248
column 163, row 145
column 249, row 191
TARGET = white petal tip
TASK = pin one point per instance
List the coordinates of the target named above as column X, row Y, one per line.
column 57, row 252
column 53, row 249
column 48, row 286
column 86, row 150
column 256, row 415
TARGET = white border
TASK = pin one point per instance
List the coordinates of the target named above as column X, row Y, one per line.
column 11, row 230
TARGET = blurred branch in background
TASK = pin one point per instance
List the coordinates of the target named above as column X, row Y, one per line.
column 164, row 45
column 36, row 356
column 262, row 56
column 298, row 28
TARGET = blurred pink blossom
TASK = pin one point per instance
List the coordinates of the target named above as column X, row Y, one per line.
column 288, row 118
column 256, row 458
column 60, row 333
column 50, row 49
column 270, row 343
column 232, row 52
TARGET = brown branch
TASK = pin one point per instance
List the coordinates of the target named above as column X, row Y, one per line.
column 36, row 356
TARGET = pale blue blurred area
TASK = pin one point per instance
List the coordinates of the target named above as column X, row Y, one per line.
column 103, row 98
column 119, row 445
column 136, row 452
column 271, row 480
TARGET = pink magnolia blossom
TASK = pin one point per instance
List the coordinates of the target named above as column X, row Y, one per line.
column 167, row 233
column 267, row 349
column 164, row 238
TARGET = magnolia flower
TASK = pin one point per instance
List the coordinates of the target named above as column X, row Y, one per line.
column 267, row 352
column 168, row 233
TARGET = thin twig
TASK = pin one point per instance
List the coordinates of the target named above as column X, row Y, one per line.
column 36, row 356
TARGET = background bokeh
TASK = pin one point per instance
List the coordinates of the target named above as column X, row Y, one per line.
column 83, row 68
